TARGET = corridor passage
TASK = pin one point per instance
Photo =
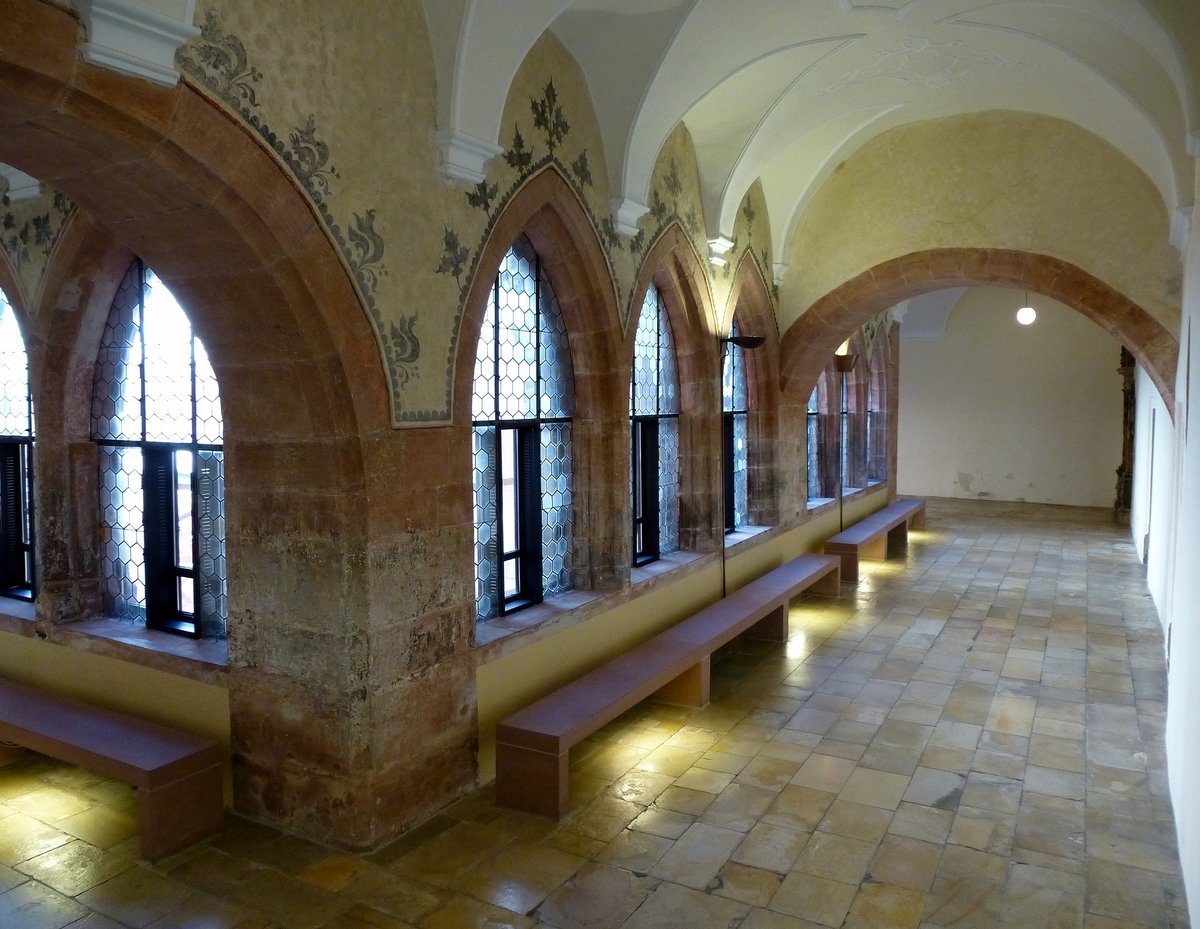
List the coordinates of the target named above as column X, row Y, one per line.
column 972, row 738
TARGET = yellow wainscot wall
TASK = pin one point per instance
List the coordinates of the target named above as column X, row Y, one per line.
column 188, row 705
column 518, row 676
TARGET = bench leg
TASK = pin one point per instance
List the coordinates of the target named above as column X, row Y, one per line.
column 849, row 572
column 531, row 781
column 828, row 586
column 897, row 540
column 771, row 628
column 917, row 520
column 181, row 813
column 691, row 688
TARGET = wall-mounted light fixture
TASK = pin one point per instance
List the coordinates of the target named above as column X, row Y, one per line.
column 725, row 467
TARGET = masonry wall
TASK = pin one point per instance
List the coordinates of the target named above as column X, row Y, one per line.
column 1051, row 432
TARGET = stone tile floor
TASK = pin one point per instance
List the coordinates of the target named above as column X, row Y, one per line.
column 973, row 738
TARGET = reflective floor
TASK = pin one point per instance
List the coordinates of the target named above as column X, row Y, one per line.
column 972, row 738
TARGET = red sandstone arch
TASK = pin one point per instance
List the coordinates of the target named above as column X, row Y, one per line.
column 162, row 172
column 673, row 266
column 751, row 305
column 548, row 211
column 189, row 189
column 810, row 341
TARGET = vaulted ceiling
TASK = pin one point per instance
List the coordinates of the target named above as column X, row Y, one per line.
column 783, row 92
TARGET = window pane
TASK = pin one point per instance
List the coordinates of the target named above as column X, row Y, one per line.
column 509, row 494
column 557, row 378
column 122, row 555
column 14, row 375
column 517, row 335
column 668, row 375
column 668, row 487
column 167, row 335
column 557, row 517
column 212, row 574
column 183, row 509
column 741, row 468
column 483, row 393
column 487, row 604
column 644, row 382
column 117, row 390
column 209, row 425
column 814, row 455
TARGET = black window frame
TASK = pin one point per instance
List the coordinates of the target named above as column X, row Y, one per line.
column 164, row 570
column 527, row 477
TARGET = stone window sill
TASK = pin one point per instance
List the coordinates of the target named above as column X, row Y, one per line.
column 204, row 660
column 499, row 637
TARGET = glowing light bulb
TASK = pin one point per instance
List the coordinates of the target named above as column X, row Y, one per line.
column 1026, row 315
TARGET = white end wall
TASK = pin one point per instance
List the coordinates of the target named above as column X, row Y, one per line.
column 1001, row 411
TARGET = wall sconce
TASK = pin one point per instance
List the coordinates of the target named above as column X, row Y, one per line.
column 844, row 359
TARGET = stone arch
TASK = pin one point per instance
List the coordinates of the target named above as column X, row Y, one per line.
column 163, row 173
column 809, row 342
column 673, row 266
column 549, row 212
column 751, row 304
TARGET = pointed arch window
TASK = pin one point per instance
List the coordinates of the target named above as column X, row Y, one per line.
column 877, row 422
column 17, row 574
column 735, row 447
column 813, row 433
column 522, row 404
column 654, row 434
column 156, row 417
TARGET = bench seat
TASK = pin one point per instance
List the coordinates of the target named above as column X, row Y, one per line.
column 533, row 744
column 177, row 776
column 883, row 534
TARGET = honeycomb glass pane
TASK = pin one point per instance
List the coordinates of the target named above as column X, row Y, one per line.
column 557, row 376
column 122, row 553
column 643, row 387
column 167, row 341
column 814, row 454
column 734, row 392
column 483, row 392
column 212, row 574
column 15, row 409
column 117, row 391
column 557, row 517
column 668, row 485
column 741, row 470
column 668, row 373
column 484, row 484
column 209, row 424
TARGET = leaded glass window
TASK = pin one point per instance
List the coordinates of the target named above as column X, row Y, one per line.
column 813, row 433
column 156, row 415
column 876, row 426
column 17, row 575
column 522, row 402
column 735, row 404
column 654, row 434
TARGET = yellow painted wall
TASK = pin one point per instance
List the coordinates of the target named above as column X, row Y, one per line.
column 987, row 180
column 516, row 679
column 202, row 709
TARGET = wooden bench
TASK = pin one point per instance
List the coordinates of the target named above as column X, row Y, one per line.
column 881, row 535
column 177, row 776
column 532, row 745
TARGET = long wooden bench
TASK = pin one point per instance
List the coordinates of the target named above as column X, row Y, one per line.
column 533, row 745
column 177, row 776
column 883, row 534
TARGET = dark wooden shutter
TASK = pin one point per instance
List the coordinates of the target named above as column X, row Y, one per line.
column 158, row 493
column 12, row 551
column 529, row 503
